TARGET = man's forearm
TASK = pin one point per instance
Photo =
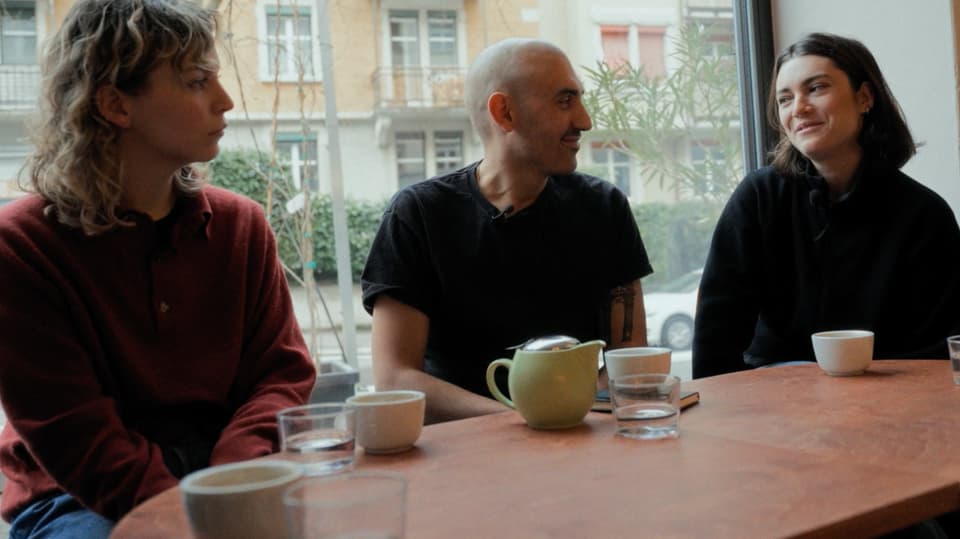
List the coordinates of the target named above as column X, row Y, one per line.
column 445, row 401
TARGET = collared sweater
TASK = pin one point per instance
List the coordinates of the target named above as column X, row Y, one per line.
column 120, row 350
column 786, row 262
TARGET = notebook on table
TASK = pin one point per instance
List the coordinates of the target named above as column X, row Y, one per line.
column 602, row 402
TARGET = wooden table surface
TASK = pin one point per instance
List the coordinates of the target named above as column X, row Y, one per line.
column 786, row 452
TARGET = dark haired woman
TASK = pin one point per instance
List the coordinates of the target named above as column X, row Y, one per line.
column 832, row 235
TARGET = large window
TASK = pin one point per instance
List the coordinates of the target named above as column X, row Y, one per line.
column 288, row 36
column 398, row 69
column 18, row 33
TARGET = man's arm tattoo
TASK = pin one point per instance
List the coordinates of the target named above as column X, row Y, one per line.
column 624, row 295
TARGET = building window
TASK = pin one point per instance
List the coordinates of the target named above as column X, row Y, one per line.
column 411, row 158
column 640, row 46
column 404, row 38
column 718, row 26
column 612, row 165
column 442, row 35
column 435, row 30
column 616, row 47
column 288, row 35
column 448, row 150
column 18, row 33
column 650, row 53
column 301, row 153
column 708, row 159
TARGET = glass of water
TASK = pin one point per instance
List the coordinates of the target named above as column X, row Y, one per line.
column 318, row 436
column 953, row 344
column 646, row 406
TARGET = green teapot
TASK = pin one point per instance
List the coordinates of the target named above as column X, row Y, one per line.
column 553, row 381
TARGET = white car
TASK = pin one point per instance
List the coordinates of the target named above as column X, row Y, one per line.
column 670, row 310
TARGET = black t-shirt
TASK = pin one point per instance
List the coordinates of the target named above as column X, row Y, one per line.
column 489, row 282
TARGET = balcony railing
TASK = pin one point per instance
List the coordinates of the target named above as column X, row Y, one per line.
column 19, row 87
column 418, row 87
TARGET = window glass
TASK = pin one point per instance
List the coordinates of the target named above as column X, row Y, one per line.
column 660, row 85
column 442, row 32
column 18, row 35
column 404, row 38
column 411, row 158
column 302, row 156
column 448, row 147
column 289, row 43
column 611, row 165
column 615, row 43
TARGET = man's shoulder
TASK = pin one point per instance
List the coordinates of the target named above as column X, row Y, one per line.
column 436, row 192
column 588, row 192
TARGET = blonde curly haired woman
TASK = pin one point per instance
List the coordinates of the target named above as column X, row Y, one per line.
column 146, row 328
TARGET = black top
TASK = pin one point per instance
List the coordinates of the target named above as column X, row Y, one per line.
column 786, row 262
column 488, row 281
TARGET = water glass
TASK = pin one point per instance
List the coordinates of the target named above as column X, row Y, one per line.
column 367, row 505
column 646, row 406
column 953, row 344
column 318, row 436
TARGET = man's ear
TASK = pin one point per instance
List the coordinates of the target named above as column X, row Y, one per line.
column 112, row 106
column 498, row 105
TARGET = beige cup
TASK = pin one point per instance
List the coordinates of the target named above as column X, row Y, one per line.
column 637, row 360
column 239, row 500
column 843, row 353
column 388, row 421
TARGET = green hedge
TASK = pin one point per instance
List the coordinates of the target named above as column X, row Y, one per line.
column 676, row 235
column 248, row 172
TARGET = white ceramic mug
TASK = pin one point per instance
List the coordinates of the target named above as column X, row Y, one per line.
column 637, row 360
column 388, row 421
column 239, row 500
column 844, row 352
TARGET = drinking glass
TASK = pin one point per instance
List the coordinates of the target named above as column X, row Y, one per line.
column 646, row 406
column 367, row 505
column 953, row 343
column 318, row 436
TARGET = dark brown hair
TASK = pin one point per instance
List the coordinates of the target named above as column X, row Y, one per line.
column 884, row 136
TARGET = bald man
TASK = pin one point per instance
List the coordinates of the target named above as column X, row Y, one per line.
column 515, row 246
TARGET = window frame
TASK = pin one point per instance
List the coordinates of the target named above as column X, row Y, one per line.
column 265, row 61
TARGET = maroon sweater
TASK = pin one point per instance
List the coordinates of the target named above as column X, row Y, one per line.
column 115, row 347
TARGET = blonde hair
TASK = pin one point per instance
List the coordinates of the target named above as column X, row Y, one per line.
column 75, row 166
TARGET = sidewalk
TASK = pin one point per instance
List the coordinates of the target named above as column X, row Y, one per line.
column 328, row 329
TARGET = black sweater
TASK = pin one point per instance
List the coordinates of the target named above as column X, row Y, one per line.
column 786, row 262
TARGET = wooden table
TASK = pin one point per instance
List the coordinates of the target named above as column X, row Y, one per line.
column 786, row 452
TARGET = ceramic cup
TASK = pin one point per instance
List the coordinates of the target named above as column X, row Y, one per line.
column 388, row 421
column 845, row 352
column 637, row 360
column 239, row 500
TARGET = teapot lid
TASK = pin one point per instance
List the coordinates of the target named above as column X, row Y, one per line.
column 548, row 342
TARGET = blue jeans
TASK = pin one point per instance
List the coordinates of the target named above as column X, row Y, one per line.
column 59, row 517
